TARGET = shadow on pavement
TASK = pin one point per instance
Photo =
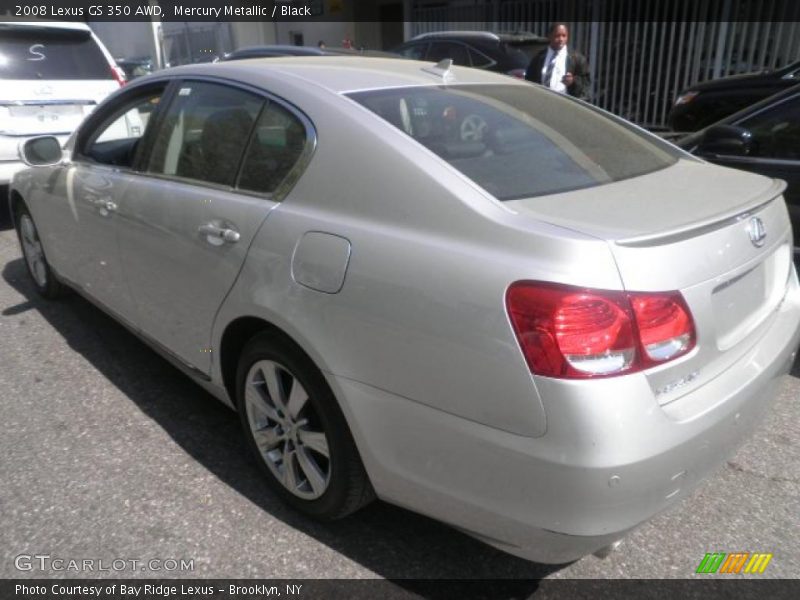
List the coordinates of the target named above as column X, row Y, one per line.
column 390, row 541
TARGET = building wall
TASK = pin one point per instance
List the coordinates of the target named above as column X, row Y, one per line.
column 126, row 40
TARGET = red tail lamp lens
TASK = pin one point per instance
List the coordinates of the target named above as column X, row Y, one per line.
column 578, row 333
column 571, row 332
column 665, row 326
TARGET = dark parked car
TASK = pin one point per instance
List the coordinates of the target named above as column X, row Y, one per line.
column 763, row 138
column 287, row 50
column 707, row 102
column 507, row 53
column 135, row 67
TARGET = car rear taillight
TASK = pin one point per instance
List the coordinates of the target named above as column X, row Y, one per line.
column 119, row 75
column 577, row 333
column 664, row 323
column 518, row 73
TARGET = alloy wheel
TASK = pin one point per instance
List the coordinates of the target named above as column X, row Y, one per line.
column 287, row 430
column 32, row 249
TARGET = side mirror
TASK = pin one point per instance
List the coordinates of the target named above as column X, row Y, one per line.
column 726, row 139
column 42, row 151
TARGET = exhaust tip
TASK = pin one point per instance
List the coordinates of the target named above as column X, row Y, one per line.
column 605, row 551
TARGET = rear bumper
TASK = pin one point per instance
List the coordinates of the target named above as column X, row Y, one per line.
column 611, row 457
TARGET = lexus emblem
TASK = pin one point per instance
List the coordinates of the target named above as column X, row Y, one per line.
column 757, row 232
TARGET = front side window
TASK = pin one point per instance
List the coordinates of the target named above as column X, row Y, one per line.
column 519, row 141
column 117, row 137
column 776, row 132
column 204, row 132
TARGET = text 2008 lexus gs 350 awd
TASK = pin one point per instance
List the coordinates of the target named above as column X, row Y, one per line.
column 462, row 293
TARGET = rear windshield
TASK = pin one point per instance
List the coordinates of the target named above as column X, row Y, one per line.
column 519, row 141
column 43, row 53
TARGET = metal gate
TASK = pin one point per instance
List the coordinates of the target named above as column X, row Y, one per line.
column 643, row 53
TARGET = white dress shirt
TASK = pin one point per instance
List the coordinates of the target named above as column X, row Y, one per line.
column 559, row 69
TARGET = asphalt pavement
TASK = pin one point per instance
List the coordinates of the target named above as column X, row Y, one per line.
column 108, row 453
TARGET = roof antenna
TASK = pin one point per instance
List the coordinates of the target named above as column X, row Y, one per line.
column 441, row 69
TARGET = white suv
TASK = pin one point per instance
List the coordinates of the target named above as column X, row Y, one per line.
column 51, row 76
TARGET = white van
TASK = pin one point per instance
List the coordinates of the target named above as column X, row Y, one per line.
column 51, row 76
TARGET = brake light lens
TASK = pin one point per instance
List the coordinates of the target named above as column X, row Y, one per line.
column 665, row 325
column 578, row 333
column 518, row 73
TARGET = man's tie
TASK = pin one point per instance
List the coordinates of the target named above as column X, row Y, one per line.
column 548, row 74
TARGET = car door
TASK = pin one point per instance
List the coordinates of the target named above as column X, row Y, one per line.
column 774, row 151
column 211, row 176
column 96, row 185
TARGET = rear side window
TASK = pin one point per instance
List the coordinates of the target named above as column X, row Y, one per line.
column 49, row 53
column 204, row 132
column 457, row 52
column 413, row 51
column 479, row 59
column 275, row 148
column 519, row 141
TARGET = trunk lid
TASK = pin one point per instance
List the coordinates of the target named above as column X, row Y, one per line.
column 698, row 229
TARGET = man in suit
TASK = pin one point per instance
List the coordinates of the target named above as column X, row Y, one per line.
column 559, row 68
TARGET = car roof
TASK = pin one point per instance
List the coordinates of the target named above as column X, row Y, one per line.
column 342, row 74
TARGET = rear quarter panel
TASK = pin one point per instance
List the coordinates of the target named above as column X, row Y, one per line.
column 421, row 313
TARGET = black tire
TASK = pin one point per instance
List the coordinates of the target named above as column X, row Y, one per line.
column 44, row 279
column 347, row 487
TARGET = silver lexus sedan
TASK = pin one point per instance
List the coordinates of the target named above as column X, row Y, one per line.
column 463, row 294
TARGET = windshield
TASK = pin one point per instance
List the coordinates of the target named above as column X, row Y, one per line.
column 519, row 141
column 43, row 53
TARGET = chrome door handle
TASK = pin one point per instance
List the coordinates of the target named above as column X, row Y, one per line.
column 224, row 234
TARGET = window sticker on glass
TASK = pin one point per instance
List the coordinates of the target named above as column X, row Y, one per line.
column 185, row 91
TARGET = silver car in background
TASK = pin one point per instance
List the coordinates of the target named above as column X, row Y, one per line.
column 465, row 294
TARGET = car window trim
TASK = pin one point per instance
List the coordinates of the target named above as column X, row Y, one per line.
column 742, row 120
column 753, row 160
column 294, row 174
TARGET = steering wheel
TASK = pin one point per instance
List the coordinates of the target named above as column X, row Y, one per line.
column 473, row 128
